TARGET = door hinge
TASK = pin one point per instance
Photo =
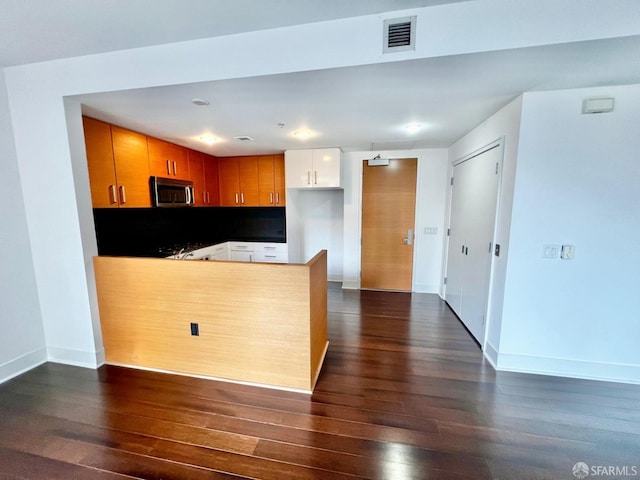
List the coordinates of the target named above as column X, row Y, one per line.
column 451, row 180
column 448, row 232
column 445, row 280
column 496, row 168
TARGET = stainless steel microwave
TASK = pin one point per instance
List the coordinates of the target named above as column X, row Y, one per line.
column 170, row 192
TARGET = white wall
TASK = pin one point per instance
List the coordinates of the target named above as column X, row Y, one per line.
column 314, row 223
column 577, row 182
column 22, row 342
column 430, row 212
column 503, row 126
column 44, row 147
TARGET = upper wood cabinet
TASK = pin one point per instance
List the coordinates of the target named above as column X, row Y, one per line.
column 238, row 179
column 271, row 187
column 102, row 169
column 118, row 165
column 204, row 175
column 196, row 168
column 317, row 168
column 168, row 160
column 211, row 179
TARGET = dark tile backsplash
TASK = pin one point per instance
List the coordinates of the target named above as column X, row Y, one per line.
column 149, row 231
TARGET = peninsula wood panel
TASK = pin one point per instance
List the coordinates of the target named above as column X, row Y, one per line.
column 258, row 323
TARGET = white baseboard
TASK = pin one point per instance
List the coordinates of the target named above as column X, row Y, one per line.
column 426, row 288
column 351, row 284
column 22, row 364
column 562, row 367
column 78, row 358
column 491, row 354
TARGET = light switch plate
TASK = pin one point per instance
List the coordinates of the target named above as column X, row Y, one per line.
column 550, row 251
column 430, row 230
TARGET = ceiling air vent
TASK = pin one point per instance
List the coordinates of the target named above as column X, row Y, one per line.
column 399, row 34
column 244, row 138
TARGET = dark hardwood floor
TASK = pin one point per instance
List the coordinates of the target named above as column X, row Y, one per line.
column 404, row 394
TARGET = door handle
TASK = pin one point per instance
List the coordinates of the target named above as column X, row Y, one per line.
column 409, row 239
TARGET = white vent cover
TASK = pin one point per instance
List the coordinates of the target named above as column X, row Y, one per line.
column 399, row 34
column 597, row 105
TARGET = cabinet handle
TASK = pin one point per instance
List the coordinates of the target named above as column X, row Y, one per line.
column 168, row 167
column 242, row 197
column 175, row 169
column 236, row 198
column 204, row 198
column 123, row 194
column 277, row 198
column 308, row 177
column 112, row 194
column 270, row 256
column 269, row 248
column 271, row 198
column 208, row 199
column 315, row 177
column 251, row 257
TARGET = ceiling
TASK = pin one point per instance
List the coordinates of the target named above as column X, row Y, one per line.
column 358, row 108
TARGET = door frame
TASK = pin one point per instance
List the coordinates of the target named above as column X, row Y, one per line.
column 393, row 155
column 498, row 143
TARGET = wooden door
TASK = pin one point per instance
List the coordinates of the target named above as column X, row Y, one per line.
column 279, row 182
column 132, row 167
column 211, row 179
column 388, row 215
column 196, row 169
column 168, row 160
column 472, row 220
column 266, row 181
column 102, row 173
column 249, row 192
column 229, row 182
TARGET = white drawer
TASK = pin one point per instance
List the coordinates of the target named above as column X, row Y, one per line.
column 270, row 247
column 242, row 246
column 268, row 257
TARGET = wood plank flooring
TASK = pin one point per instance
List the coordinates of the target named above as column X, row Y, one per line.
column 404, row 394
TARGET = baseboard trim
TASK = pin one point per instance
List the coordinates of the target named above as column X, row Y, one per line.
column 77, row 358
column 22, row 364
column 562, row 367
column 491, row 354
column 426, row 288
column 351, row 285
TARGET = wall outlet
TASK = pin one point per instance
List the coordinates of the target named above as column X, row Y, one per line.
column 568, row 252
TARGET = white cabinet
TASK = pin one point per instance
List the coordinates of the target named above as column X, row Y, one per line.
column 317, row 168
column 258, row 252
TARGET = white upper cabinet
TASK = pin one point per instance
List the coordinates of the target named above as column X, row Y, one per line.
column 318, row 168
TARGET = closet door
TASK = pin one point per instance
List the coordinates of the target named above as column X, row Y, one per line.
column 473, row 214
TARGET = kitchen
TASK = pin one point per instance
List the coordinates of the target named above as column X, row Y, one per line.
column 152, row 198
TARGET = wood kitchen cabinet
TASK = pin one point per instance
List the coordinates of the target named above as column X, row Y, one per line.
column 211, row 182
column 168, row 160
column 271, row 182
column 238, row 180
column 118, row 165
column 316, row 168
column 204, row 175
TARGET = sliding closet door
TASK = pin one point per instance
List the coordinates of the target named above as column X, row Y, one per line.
column 473, row 214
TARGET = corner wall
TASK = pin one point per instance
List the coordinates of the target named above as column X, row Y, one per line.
column 577, row 183
column 22, row 342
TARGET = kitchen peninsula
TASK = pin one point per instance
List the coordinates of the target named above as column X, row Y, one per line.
column 257, row 323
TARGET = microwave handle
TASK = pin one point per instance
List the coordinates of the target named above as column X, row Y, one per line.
column 189, row 195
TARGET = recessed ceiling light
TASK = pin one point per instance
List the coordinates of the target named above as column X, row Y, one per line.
column 208, row 139
column 413, row 127
column 302, row 134
column 201, row 102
